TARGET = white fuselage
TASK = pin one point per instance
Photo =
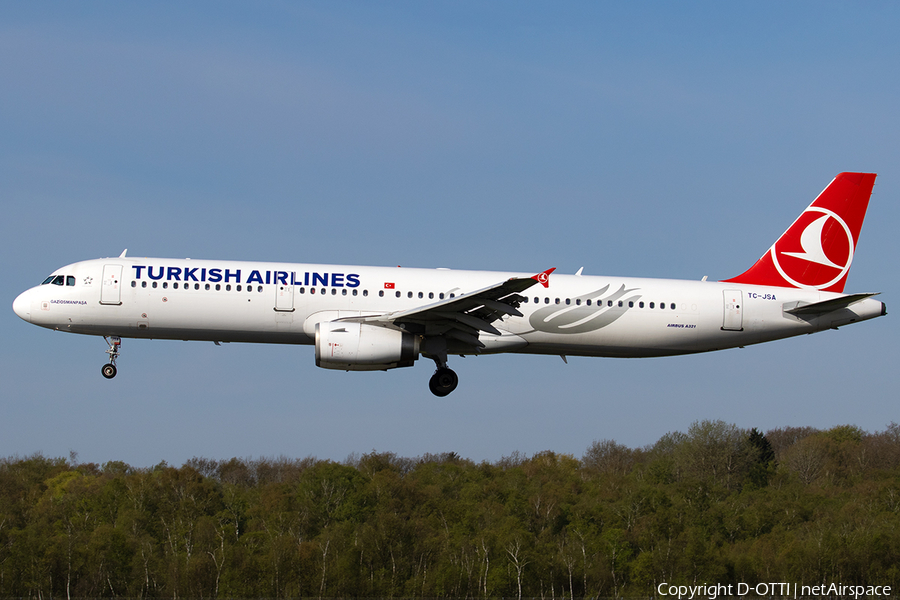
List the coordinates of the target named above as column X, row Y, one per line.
column 232, row 301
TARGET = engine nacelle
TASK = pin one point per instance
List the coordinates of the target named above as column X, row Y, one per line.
column 352, row 346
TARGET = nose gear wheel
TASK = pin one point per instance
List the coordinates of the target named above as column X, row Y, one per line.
column 109, row 370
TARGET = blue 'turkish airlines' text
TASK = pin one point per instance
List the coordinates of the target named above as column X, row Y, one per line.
column 215, row 275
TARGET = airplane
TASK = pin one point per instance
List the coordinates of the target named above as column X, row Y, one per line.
column 364, row 318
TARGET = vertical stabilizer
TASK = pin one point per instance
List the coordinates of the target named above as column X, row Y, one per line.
column 817, row 249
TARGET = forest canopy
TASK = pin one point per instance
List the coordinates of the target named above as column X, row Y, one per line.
column 715, row 504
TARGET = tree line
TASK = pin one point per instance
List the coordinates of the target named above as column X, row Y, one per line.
column 715, row 504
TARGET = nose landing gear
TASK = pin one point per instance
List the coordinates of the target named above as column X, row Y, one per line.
column 109, row 370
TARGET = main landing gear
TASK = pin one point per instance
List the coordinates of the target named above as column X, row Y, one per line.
column 443, row 381
column 109, row 370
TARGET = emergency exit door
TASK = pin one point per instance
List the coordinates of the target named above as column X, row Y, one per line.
column 284, row 297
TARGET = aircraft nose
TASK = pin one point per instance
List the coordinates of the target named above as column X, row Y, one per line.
column 22, row 306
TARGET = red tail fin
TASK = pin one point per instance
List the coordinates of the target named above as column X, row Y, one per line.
column 816, row 251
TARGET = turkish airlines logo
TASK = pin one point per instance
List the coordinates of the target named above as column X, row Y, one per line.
column 822, row 229
column 544, row 278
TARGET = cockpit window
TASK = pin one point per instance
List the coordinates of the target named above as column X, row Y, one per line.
column 68, row 280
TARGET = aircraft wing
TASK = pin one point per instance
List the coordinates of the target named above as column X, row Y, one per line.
column 464, row 316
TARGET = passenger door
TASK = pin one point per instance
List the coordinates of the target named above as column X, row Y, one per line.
column 111, row 288
column 734, row 311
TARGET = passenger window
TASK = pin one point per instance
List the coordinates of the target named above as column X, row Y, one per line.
column 568, row 301
column 441, row 295
column 640, row 305
column 620, row 304
column 154, row 285
column 609, row 303
column 166, row 285
column 546, row 300
column 662, row 305
column 344, row 292
column 421, row 295
column 672, row 306
column 588, row 301
column 431, row 295
column 365, row 292
column 70, row 280
column 630, row 304
column 207, row 286
column 453, row 295
column 652, row 305
column 218, row 287
column 133, row 283
column 557, row 301
column 397, row 294
column 228, row 288
column 143, row 284
column 239, row 289
column 302, row 290
column 334, row 291
column 578, row 302
column 380, row 293
column 409, row 294
column 259, row 289
column 197, row 286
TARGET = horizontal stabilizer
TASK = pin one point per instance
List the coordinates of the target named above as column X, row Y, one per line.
column 827, row 306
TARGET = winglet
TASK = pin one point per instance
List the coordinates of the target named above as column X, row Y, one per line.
column 544, row 278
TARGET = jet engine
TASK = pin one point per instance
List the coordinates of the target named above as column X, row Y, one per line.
column 350, row 346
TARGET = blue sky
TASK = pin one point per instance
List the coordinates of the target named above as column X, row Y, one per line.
column 648, row 139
